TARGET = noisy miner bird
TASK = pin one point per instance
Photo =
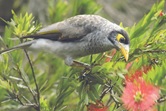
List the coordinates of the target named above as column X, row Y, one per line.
column 76, row 37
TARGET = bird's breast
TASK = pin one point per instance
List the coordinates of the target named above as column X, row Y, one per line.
column 70, row 49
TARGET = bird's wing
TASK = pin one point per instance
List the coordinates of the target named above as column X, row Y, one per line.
column 71, row 29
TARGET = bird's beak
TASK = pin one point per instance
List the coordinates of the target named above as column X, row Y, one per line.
column 125, row 51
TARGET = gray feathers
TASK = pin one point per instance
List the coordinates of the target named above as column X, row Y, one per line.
column 77, row 36
column 20, row 46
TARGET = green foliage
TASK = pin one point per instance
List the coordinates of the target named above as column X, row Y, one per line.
column 23, row 25
column 48, row 84
column 44, row 104
column 60, row 9
column 149, row 33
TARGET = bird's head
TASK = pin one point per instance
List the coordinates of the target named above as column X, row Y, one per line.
column 121, row 41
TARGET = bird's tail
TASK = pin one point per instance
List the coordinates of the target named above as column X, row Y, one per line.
column 20, row 46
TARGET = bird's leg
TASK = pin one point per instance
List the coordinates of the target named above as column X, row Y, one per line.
column 69, row 61
column 81, row 64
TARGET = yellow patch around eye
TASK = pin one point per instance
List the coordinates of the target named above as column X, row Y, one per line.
column 119, row 36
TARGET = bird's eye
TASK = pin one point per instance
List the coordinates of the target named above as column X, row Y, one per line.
column 120, row 38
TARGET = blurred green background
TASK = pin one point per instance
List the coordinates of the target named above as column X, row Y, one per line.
column 126, row 11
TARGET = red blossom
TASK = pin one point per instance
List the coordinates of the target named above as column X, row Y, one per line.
column 108, row 59
column 97, row 107
column 138, row 73
column 129, row 65
column 139, row 95
column 145, row 69
column 161, row 14
column 109, row 56
column 134, row 76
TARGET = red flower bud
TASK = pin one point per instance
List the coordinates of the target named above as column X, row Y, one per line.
column 161, row 13
column 97, row 107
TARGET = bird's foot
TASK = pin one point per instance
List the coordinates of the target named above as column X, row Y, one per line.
column 69, row 61
column 81, row 64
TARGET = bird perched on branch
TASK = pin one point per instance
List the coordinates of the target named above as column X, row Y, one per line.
column 76, row 37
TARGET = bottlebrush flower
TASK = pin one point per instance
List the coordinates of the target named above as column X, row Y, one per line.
column 139, row 95
column 138, row 74
column 145, row 69
column 128, row 65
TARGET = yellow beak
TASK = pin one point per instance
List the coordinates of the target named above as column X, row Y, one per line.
column 125, row 52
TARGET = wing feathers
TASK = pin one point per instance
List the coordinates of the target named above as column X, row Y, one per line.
column 22, row 45
column 50, row 36
column 74, row 28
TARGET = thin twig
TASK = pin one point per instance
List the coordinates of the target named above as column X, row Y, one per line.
column 34, row 77
column 162, row 99
column 26, row 99
column 105, row 91
column 116, row 102
column 31, row 91
column 19, row 100
column 91, row 59
column 99, row 60
column 153, row 51
column 26, row 104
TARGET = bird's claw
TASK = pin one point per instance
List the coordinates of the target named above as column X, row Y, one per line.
column 81, row 64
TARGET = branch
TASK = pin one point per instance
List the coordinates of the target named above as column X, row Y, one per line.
column 118, row 104
column 19, row 100
column 153, row 51
column 105, row 91
column 34, row 77
column 25, row 104
column 108, row 89
column 162, row 99
column 30, row 90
